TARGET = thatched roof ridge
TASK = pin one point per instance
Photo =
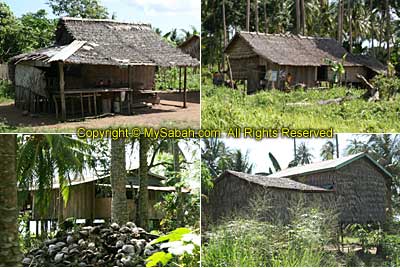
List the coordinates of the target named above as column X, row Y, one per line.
column 193, row 38
column 273, row 182
column 108, row 42
column 328, row 165
column 298, row 50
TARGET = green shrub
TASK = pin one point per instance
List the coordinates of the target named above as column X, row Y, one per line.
column 6, row 91
column 391, row 249
column 388, row 86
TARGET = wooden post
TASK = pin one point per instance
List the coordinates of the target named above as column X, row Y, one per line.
column 82, row 111
column 180, row 79
column 95, row 103
column 184, row 87
column 62, row 94
column 129, row 94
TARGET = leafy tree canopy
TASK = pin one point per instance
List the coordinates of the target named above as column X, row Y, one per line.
column 79, row 8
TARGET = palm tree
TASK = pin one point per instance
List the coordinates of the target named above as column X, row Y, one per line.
column 328, row 151
column 240, row 162
column 340, row 21
column 9, row 245
column 265, row 17
column 298, row 17
column 303, row 156
column 143, row 183
column 248, row 16
column 42, row 157
column 350, row 12
column 256, row 14
column 303, row 17
column 119, row 208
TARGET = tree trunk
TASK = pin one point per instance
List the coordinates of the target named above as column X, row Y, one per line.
column 224, row 22
column 298, row 17
column 143, row 183
column 119, row 208
column 9, row 247
column 265, row 17
column 350, row 10
column 340, row 22
column 387, row 8
column 248, row 16
column 303, row 17
column 371, row 8
column 256, row 13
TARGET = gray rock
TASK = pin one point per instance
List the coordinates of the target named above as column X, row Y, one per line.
column 115, row 226
column 130, row 249
column 74, row 251
column 125, row 229
column 119, row 244
column 82, row 243
column 127, row 261
column 64, row 250
column 130, row 224
column 70, row 239
column 60, row 244
column 82, row 264
column 52, row 250
column 27, row 261
column 50, row 241
column 59, row 257
column 91, row 245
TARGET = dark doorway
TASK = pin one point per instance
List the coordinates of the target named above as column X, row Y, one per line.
column 322, row 73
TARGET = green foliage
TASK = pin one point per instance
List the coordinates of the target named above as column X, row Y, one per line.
column 368, row 235
column 79, row 8
column 337, row 68
column 9, row 30
column 224, row 108
column 41, row 158
column 179, row 208
column 168, row 78
column 6, row 91
column 182, row 246
column 247, row 243
column 37, row 31
column 391, row 249
column 389, row 87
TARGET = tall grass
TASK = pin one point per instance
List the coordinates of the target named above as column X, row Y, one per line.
column 168, row 78
column 223, row 108
column 6, row 91
column 243, row 242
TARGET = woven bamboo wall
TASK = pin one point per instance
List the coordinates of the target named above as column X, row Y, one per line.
column 359, row 188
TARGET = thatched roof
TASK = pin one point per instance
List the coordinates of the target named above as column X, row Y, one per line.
column 328, row 165
column 297, row 50
column 191, row 46
column 273, row 182
column 109, row 42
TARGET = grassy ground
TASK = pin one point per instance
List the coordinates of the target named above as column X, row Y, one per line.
column 224, row 108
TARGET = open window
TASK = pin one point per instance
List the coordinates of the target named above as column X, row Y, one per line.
column 322, row 73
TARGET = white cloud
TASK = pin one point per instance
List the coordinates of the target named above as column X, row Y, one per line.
column 167, row 7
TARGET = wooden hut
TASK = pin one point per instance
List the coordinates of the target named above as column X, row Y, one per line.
column 268, row 60
column 95, row 67
column 191, row 46
column 233, row 193
column 355, row 184
column 91, row 199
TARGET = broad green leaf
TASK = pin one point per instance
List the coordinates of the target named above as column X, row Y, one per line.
column 158, row 257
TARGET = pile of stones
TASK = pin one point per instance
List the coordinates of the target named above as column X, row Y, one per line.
column 105, row 245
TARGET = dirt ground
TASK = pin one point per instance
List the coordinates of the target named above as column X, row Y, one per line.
column 169, row 113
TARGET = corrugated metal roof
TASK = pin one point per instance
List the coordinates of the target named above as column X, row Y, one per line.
column 333, row 164
column 275, row 182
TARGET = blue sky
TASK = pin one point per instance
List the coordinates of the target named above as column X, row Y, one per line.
column 282, row 149
column 163, row 14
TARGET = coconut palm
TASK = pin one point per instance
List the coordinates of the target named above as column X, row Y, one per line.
column 240, row 162
column 303, row 156
column 9, row 246
column 328, row 151
column 46, row 159
column 119, row 208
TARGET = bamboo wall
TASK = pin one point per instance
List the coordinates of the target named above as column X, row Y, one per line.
column 359, row 188
column 83, row 204
column 236, row 197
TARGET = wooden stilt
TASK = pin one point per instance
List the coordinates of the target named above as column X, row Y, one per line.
column 95, row 103
column 184, row 87
column 90, row 105
column 180, row 79
column 82, row 110
column 62, row 93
